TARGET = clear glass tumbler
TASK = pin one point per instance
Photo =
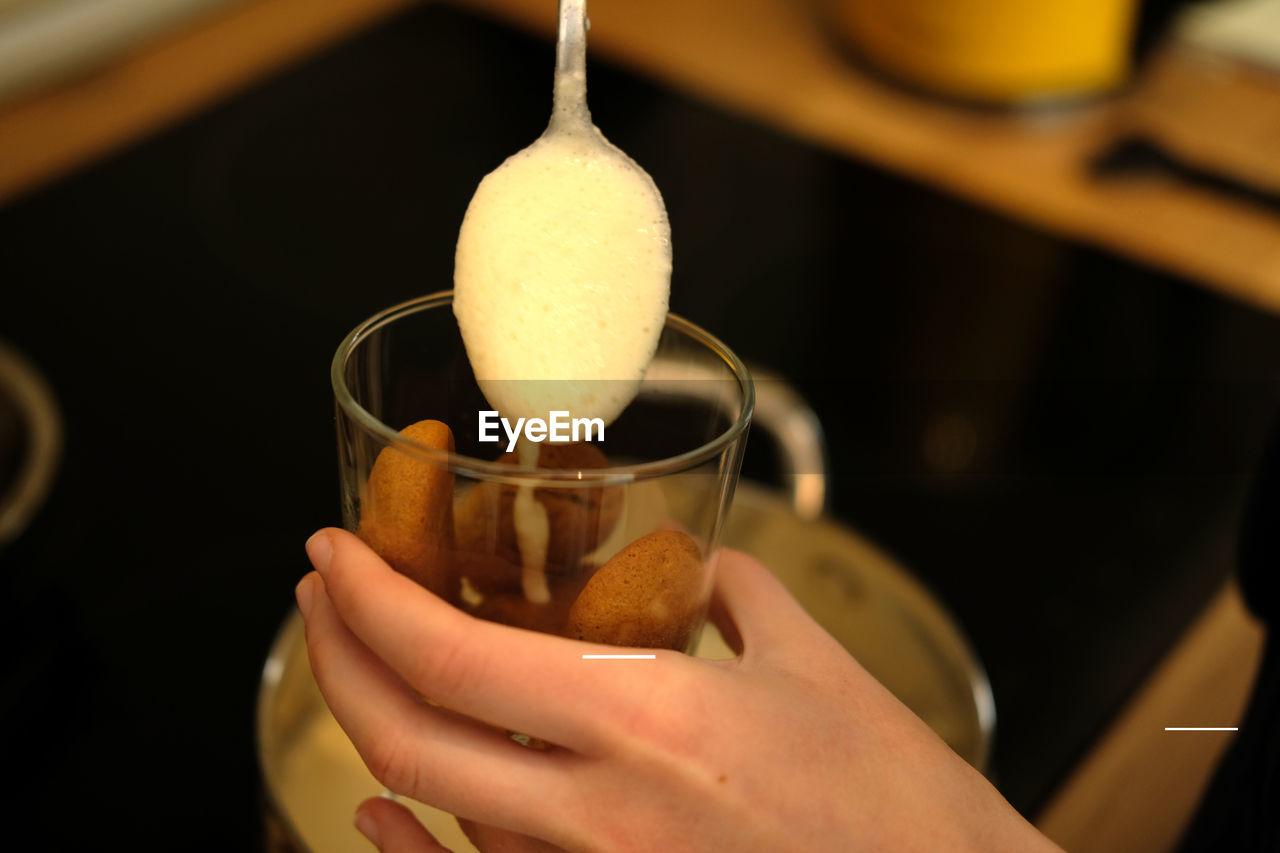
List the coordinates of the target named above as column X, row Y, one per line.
column 610, row 540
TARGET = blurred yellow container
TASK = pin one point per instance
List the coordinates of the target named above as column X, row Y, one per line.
column 997, row 51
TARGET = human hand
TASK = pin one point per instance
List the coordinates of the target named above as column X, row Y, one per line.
column 790, row 745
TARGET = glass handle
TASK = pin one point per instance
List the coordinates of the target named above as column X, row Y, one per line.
column 784, row 415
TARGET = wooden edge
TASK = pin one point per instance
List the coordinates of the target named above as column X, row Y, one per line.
column 54, row 131
column 1138, row 788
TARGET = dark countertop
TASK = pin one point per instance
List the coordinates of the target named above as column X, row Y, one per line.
column 1054, row 440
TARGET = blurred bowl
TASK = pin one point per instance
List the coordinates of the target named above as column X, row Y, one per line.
column 30, row 442
column 314, row 779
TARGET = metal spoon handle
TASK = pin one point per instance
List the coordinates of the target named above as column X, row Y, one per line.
column 569, row 100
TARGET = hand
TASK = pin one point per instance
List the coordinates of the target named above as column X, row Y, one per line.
column 790, row 745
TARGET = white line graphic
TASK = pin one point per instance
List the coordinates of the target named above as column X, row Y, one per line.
column 618, row 657
column 1202, row 728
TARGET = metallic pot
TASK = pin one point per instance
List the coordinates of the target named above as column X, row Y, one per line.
column 30, row 442
column 314, row 779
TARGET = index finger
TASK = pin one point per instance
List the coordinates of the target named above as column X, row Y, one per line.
column 524, row 681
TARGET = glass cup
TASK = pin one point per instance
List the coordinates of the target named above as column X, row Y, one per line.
column 610, row 538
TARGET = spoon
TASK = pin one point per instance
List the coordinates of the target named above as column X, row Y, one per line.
column 561, row 280
column 563, row 268
column 569, row 95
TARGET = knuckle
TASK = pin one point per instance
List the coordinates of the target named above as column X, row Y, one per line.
column 449, row 670
column 394, row 766
column 671, row 721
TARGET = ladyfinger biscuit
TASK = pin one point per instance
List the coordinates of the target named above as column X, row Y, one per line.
column 406, row 514
column 511, row 607
column 487, row 574
column 578, row 517
column 652, row 593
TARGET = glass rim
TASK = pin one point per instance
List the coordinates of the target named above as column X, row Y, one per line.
column 470, row 466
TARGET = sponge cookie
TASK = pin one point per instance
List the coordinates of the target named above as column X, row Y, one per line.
column 513, row 608
column 652, row 593
column 406, row 514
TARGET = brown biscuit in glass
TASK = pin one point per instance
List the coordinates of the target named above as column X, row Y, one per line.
column 652, row 593
column 487, row 574
column 406, row 514
column 513, row 608
column 579, row 517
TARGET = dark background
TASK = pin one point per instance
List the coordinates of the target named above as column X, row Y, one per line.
column 1054, row 440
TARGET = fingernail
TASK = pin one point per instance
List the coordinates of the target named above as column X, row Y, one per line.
column 368, row 826
column 304, row 593
column 320, row 550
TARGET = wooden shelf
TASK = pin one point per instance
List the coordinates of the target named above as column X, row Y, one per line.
column 55, row 131
column 1138, row 788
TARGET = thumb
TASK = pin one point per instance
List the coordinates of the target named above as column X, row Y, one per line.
column 392, row 828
